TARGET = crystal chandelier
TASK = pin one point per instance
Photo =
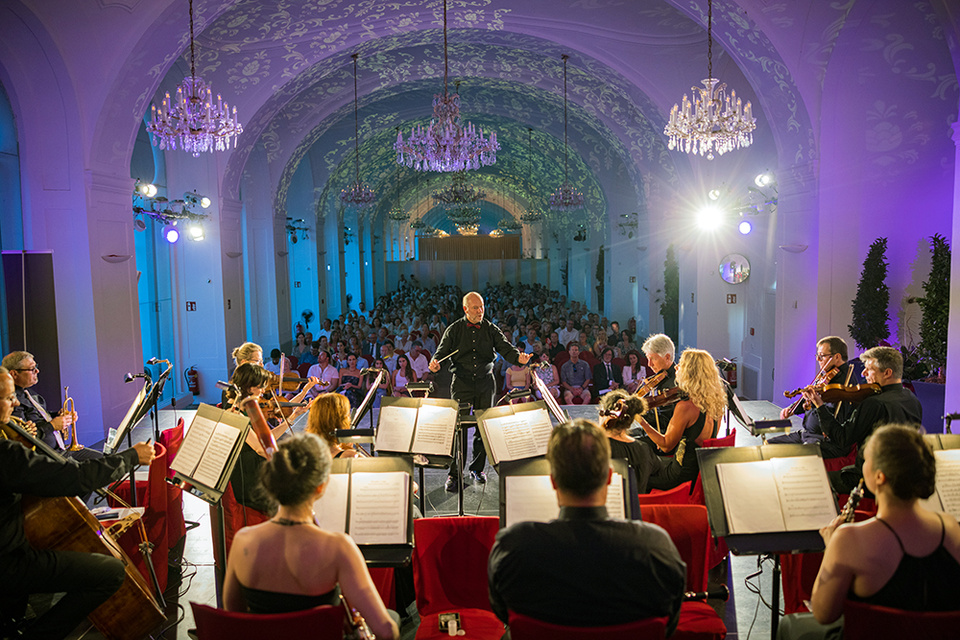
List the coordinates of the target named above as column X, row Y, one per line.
column 468, row 229
column 192, row 121
column 464, row 215
column 565, row 198
column 446, row 145
column 458, row 193
column 714, row 121
column 509, row 223
column 357, row 194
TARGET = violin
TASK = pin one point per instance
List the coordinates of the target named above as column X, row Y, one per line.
column 853, row 393
column 647, row 384
column 666, row 398
column 822, row 378
column 291, row 382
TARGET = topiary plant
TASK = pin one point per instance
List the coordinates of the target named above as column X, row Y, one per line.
column 870, row 315
column 936, row 306
column 670, row 307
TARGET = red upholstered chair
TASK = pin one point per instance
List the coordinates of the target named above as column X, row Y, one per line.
column 690, row 531
column 526, row 628
column 176, row 525
column 450, row 574
column 718, row 550
column 680, row 494
column 235, row 517
column 867, row 622
column 562, row 357
column 152, row 496
column 835, row 464
column 304, row 369
column 294, row 361
column 320, row 623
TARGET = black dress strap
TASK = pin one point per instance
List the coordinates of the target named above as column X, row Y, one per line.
column 887, row 525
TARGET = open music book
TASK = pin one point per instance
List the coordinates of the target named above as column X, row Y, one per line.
column 946, row 497
column 210, row 447
column 779, row 494
column 370, row 505
column 515, row 432
column 417, row 425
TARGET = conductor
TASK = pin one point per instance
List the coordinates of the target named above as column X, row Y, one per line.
column 470, row 343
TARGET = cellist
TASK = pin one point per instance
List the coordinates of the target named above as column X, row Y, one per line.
column 88, row 579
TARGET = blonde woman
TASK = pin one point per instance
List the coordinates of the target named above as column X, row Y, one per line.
column 695, row 419
column 329, row 412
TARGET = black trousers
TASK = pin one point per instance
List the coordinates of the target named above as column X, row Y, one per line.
column 828, row 448
column 88, row 580
column 479, row 392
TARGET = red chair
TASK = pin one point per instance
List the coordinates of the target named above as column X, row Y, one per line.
column 176, row 525
column 450, row 574
column 235, row 517
column 835, row 464
column 526, row 628
column 680, row 494
column 321, row 623
column 152, row 496
column 294, row 361
column 867, row 622
column 690, row 531
column 304, row 369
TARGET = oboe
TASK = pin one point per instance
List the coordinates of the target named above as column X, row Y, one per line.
column 847, row 512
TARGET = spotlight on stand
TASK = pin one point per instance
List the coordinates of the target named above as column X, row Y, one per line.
column 170, row 233
column 145, row 189
column 139, row 224
column 709, row 217
column 194, row 198
column 763, row 179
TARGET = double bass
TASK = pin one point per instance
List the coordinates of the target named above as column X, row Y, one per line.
column 65, row 524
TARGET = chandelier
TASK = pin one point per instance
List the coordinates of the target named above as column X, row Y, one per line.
column 357, row 194
column 565, row 197
column 714, row 120
column 464, row 215
column 192, row 121
column 509, row 223
column 468, row 229
column 458, row 193
column 446, row 145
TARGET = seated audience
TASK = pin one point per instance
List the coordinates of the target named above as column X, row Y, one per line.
column 517, row 376
column 634, row 372
column 575, row 377
column 403, row 374
column 289, row 563
column 906, row 557
column 584, row 569
column 606, row 376
column 548, row 374
column 351, row 383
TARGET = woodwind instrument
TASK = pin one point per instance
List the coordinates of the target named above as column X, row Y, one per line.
column 68, row 408
column 358, row 629
column 847, row 512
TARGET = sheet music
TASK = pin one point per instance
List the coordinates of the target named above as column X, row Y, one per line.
column 948, row 480
column 396, row 428
column 615, row 497
column 805, row 496
column 331, row 507
column 530, row 499
column 519, row 436
column 435, row 427
column 194, row 442
column 216, row 454
column 750, row 497
column 379, row 507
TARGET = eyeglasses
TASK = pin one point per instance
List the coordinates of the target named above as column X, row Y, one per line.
column 824, row 356
column 33, row 369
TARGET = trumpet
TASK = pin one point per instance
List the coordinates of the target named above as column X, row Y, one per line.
column 68, row 408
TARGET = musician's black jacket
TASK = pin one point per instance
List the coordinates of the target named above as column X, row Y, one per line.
column 23, row 471
column 476, row 348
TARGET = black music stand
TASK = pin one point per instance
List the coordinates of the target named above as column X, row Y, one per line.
column 764, row 544
column 366, row 405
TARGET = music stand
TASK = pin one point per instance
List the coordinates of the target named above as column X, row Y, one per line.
column 553, row 407
column 367, row 403
column 763, row 544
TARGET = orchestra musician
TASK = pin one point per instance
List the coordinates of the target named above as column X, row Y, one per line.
column 261, row 578
column 660, row 353
column 54, row 429
column 831, row 354
column 894, row 403
column 907, row 557
column 617, row 412
column 88, row 579
column 470, row 343
column 695, row 418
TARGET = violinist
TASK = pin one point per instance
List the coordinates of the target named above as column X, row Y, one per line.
column 617, row 412
column 894, row 403
column 88, row 579
column 328, row 413
column 694, row 419
column 660, row 352
column 831, row 355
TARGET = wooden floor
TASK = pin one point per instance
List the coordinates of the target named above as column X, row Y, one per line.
column 744, row 614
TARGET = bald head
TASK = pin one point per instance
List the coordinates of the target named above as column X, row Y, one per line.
column 473, row 307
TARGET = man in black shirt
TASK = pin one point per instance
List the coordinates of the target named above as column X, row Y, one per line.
column 584, row 569
column 660, row 353
column 470, row 343
column 894, row 404
column 88, row 579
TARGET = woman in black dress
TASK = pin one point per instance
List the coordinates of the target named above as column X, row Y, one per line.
column 617, row 412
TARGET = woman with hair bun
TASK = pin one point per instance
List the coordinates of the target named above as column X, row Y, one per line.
column 618, row 409
column 289, row 563
column 906, row 557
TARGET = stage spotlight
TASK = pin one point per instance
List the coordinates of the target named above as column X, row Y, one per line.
column 763, row 180
column 139, row 224
column 195, row 231
column 146, row 189
column 293, row 237
column 745, row 227
column 170, row 233
column 714, row 194
column 709, row 217
column 205, row 202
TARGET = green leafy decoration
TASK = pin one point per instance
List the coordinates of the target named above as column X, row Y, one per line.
column 936, row 306
column 870, row 314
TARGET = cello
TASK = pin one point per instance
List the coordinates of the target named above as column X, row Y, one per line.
column 65, row 524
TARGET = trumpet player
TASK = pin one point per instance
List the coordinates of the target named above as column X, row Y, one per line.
column 54, row 429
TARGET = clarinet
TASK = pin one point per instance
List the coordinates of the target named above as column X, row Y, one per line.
column 357, row 628
column 718, row 593
column 847, row 512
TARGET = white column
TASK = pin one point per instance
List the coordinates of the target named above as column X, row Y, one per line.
column 953, row 331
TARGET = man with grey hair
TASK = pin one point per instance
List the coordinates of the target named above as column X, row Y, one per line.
column 660, row 353
column 894, row 404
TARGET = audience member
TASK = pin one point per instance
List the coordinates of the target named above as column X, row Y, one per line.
column 575, row 377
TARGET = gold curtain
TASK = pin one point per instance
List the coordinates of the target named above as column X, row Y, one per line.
column 470, row 248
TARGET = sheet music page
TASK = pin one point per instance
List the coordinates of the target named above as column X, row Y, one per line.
column 396, row 428
column 435, row 427
column 615, row 497
column 216, row 454
column 519, row 436
column 805, row 496
column 331, row 507
column 530, row 499
column 194, row 442
column 750, row 497
column 379, row 505
column 948, row 480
